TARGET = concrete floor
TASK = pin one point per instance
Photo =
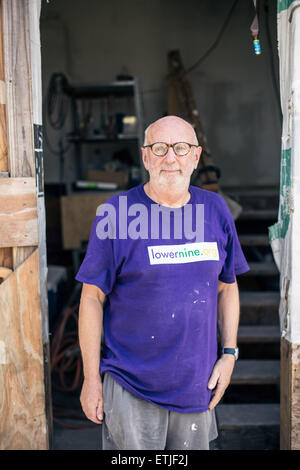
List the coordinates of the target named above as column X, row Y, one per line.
column 77, row 439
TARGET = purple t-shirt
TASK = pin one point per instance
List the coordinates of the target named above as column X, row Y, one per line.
column 160, row 314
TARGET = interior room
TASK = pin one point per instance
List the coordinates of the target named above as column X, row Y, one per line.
column 110, row 69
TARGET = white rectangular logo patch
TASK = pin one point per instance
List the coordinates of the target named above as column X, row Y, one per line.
column 187, row 253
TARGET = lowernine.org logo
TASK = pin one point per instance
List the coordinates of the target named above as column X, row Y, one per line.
column 187, row 253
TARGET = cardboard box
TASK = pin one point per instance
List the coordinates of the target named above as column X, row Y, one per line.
column 121, row 178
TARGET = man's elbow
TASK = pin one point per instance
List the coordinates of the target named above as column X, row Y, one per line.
column 92, row 292
column 222, row 286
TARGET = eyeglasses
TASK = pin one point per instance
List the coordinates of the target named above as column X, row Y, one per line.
column 160, row 149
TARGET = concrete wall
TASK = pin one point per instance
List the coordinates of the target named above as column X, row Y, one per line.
column 94, row 40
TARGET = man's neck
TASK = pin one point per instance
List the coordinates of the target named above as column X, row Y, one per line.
column 166, row 196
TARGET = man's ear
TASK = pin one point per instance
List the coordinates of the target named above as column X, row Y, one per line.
column 198, row 154
column 145, row 158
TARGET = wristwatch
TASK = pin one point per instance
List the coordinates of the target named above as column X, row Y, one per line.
column 233, row 351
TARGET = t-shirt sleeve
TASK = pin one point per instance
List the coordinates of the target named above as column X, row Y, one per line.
column 235, row 261
column 98, row 266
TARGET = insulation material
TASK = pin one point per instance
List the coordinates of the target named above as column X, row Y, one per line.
column 285, row 234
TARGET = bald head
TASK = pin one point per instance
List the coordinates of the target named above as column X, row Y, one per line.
column 172, row 126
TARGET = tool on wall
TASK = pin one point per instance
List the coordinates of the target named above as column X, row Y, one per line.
column 254, row 28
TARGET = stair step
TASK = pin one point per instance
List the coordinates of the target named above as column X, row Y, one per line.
column 252, row 192
column 254, row 240
column 258, row 334
column 258, row 268
column 248, row 415
column 256, row 371
column 258, row 214
column 259, row 307
column 259, row 298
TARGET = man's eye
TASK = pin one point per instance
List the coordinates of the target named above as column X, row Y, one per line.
column 182, row 147
column 159, row 148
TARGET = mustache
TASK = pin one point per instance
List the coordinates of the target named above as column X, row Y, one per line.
column 170, row 169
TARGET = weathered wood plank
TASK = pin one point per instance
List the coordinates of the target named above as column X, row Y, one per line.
column 5, row 253
column 18, row 85
column 22, row 407
column 290, row 396
column 18, row 79
column 3, row 130
column 18, row 212
column 36, row 71
column 20, row 39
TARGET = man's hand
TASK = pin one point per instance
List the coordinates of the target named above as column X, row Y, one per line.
column 220, row 378
column 91, row 399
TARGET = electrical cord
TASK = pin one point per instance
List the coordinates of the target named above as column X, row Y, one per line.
column 205, row 55
column 272, row 59
column 66, row 361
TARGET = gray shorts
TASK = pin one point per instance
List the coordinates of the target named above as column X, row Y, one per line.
column 132, row 423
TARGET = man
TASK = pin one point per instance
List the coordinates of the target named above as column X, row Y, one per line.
column 163, row 290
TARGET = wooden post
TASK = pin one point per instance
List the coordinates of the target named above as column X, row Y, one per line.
column 285, row 234
column 290, row 396
column 25, row 419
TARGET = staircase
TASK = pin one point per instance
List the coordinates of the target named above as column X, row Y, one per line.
column 248, row 415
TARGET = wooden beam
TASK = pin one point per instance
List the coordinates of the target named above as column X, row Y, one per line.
column 17, row 76
column 36, row 73
column 3, row 130
column 20, row 93
column 6, row 259
column 16, row 44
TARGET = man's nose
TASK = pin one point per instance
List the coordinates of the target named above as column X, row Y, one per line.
column 170, row 155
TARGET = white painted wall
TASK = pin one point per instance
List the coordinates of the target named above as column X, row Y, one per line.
column 94, row 40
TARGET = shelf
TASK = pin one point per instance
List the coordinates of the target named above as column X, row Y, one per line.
column 102, row 138
column 117, row 88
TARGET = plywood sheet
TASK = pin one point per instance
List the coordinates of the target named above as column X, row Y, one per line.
column 78, row 212
column 22, row 396
column 18, row 212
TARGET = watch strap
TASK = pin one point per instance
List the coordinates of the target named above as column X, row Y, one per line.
column 233, row 351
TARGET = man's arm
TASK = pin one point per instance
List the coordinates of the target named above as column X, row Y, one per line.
column 228, row 321
column 89, row 331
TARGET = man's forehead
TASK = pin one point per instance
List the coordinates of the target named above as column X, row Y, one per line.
column 167, row 130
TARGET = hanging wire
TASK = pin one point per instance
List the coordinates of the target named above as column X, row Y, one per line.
column 272, row 59
column 55, row 110
column 205, row 55
column 216, row 42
